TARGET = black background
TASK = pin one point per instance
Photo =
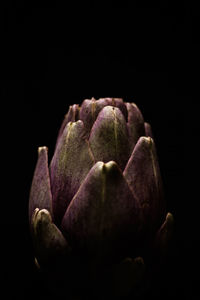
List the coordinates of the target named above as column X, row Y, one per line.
column 54, row 56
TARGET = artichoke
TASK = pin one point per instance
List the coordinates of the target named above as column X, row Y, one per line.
column 99, row 204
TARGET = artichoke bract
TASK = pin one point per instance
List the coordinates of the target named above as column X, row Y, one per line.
column 101, row 196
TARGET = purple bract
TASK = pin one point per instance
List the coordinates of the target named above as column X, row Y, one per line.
column 102, row 190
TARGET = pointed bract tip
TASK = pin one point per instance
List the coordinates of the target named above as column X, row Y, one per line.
column 148, row 141
column 169, row 220
column 78, row 122
column 43, row 148
column 74, row 123
column 41, row 215
column 110, row 164
column 99, row 165
column 169, row 217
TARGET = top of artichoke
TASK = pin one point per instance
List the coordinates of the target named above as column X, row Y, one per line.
column 103, row 182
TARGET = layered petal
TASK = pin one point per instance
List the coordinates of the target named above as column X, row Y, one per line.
column 40, row 193
column 109, row 137
column 148, row 130
column 135, row 124
column 71, row 116
column 91, row 108
column 143, row 176
column 103, row 212
column 49, row 242
column 71, row 162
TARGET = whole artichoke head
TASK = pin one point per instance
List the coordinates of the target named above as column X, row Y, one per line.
column 101, row 196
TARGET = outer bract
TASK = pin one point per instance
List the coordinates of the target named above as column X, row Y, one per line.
column 98, row 207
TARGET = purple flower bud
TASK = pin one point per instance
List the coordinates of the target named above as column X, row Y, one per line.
column 101, row 196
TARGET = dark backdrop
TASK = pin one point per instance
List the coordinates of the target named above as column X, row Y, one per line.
column 53, row 57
